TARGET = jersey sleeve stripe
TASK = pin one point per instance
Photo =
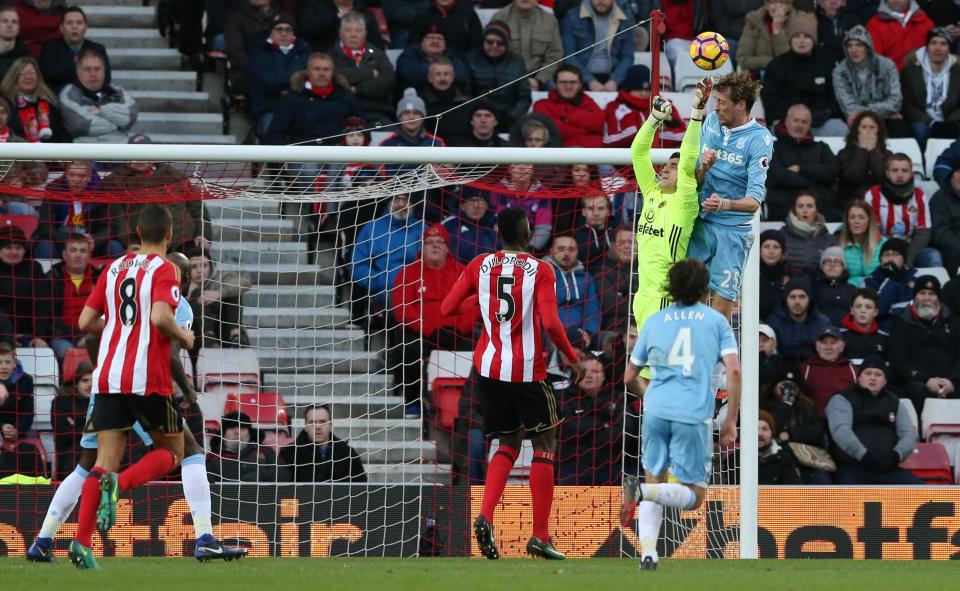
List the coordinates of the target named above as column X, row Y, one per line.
column 505, row 339
column 529, row 327
column 729, row 352
column 483, row 295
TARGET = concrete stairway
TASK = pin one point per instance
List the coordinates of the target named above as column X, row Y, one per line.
column 171, row 109
column 308, row 348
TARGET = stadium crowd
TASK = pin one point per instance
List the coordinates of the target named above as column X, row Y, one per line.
column 856, row 327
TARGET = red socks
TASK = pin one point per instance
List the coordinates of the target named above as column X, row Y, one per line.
column 497, row 473
column 153, row 465
column 89, row 501
column 541, row 490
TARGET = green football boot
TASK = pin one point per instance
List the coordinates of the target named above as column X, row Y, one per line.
column 107, row 511
column 82, row 557
column 540, row 549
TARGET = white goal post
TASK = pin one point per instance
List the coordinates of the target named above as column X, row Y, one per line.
column 482, row 159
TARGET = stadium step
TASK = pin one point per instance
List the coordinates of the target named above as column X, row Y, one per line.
column 284, row 338
column 121, row 16
column 373, row 430
column 262, row 253
column 356, row 406
column 412, row 473
column 155, row 80
column 199, row 123
column 252, row 230
column 295, row 317
column 192, row 138
column 173, row 101
column 306, row 276
column 304, row 386
column 319, row 361
column 144, row 58
column 241, row 208
column 286, row 296
column 392, row 452
column 87, row 3
column 127, row 38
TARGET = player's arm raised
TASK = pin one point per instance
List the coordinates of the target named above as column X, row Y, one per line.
column 687, row 172
column 640, row 148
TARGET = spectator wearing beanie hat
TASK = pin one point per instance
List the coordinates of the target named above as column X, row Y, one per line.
column 930, row 83
column 898, row 27
column 271, row 64
column 764, row 34
column 893, row 281
column 777, row 464
column 417, row 292
column 456, row 20
column 623, row 116
column 773, row 270
column 577, row 116
column 429, row 45
column 411, row 113
column 472, row 226
column 831, row 288
column 493, row 65
column 804, row 74
column 923, row 349
column 24, row 294
column 870, row 430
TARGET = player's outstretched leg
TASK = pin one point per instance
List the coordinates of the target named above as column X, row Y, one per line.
column 196, row 490
column 62, row 504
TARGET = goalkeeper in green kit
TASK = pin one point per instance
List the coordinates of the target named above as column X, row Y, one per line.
column 671, row 204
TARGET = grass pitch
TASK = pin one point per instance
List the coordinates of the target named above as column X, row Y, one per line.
column 457, row 574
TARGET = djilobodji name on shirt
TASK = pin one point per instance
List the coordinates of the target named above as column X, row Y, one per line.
column 508, row 259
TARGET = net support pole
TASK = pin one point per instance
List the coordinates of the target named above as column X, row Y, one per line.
column 657, row 28
column 749, row 403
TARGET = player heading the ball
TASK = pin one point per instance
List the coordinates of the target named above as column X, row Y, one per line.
column 681, row 344
column 517, row 296
column 734, row 187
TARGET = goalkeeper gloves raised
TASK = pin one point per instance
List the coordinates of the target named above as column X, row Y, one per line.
column 660, row 109
column 700, row 96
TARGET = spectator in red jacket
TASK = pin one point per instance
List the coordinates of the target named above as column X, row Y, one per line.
column 39, row 22
column 417, row 292
column 899, row 27
column 624, row 116
column 827, row 372
column 71, row 283
column 577, row 116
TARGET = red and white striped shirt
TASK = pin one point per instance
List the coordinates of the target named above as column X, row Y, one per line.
column 511, row 289
column 899, row 220
column 134, row 358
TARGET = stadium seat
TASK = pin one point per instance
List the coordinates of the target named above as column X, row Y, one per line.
column 42, row 365
column 949, row 443
column 910, row 410
column 446, row 398
column 27, row 223
column 227, row 366
column 940, row 416
column 265, row 409
column 911, row 148
column 929, row 462
column 448, row 364
column 682, row 101
column 770, row 225
column 645, row 58
column 71, row 359
column 521, row 468
column 393, row 55
column 377, row 137
column 188, row 366
column 47, row 264
column 939, row 272
column 688, row 74
column 935, row 147
column 836, row 143
column 485, row 15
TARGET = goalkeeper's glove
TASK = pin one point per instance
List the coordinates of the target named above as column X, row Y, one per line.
column 700, row 96
column 660, row 109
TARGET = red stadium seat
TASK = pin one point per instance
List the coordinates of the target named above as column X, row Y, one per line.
column 265, row 409
column 227, row 366
column 446, row 397
column 27, row 223
column 71, row 359
column 929, row 462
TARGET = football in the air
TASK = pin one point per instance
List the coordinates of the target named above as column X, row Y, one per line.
column 709, row 50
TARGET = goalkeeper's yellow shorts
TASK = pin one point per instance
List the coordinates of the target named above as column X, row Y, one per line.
column 645, row 306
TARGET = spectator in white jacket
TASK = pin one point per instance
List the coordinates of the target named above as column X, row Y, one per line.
column 94, row 111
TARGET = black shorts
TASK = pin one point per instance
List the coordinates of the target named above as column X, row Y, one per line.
column 510, row 406
column 118, row 412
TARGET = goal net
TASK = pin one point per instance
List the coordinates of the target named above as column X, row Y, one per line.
column 335, row 404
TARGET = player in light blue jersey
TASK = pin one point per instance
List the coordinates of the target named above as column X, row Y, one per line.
column 681, row 344
column 733, row 188
column 196, row 487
